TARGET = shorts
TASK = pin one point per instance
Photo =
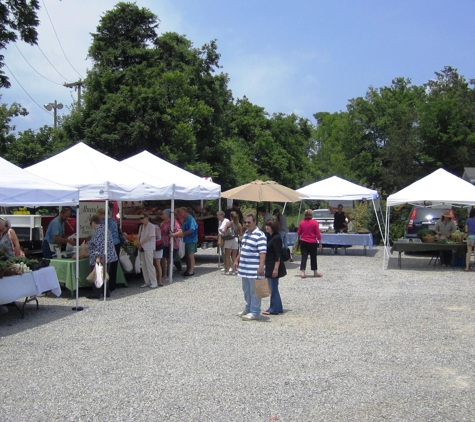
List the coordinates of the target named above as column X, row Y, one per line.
column 231, row 244
column 190, row 248
column 166, row 252
column 471, row 240
column 158, row 254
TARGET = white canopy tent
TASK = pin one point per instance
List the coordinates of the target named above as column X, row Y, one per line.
column 336, row 189
column 186, row 185
column 438, row 188
column 19, row 187
column 99, row 177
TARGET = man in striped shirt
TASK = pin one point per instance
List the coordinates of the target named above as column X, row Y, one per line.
column 250, row 265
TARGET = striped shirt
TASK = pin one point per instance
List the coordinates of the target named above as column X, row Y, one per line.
column 252, row 246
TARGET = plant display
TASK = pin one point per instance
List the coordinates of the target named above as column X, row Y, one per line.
column 425, row 233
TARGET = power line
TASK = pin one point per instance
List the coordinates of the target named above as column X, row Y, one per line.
column 51, row 63
column 59, row 42
column 56, row 83
column 25, row 90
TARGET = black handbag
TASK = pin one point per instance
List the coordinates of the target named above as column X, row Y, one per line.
column 285, row 254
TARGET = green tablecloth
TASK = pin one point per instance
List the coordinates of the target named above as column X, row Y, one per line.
column 66, row 272
column 401, row 247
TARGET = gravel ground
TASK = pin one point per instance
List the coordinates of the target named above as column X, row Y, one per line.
column 358, row 344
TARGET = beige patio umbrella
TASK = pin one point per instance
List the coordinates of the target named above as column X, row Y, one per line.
column 260, row 191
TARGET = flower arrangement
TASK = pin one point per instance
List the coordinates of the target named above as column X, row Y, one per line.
column 131, row 244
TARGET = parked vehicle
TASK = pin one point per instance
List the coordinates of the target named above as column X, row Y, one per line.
column 424, row 218
column 325, row 219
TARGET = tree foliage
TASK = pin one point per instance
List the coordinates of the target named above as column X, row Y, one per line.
column 7, row 113
column 18, row 18
column 397, row 134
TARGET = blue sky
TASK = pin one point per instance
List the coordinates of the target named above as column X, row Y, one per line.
column 286, row 56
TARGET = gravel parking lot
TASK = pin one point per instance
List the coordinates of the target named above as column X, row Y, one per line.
column 358, row 344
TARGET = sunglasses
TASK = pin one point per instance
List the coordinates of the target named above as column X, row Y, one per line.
column 141, row 218
column 247, row 222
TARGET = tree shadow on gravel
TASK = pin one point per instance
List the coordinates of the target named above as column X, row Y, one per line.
column 12, row 322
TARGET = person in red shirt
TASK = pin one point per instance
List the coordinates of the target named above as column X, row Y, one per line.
column 310, row 239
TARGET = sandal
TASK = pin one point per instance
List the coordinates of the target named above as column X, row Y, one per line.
column 303, row 275
column 318, row 275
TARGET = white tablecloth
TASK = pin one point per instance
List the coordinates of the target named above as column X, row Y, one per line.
column 339, row 239
column 30, row 284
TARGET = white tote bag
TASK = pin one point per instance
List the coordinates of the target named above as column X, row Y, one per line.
column 99, row 281
column 125, row 262
column 181, row 249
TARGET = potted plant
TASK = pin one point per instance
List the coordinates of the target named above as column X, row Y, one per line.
column 4, row 266
column 426, row 236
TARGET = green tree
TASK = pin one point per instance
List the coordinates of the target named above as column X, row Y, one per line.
column 277, row 147
column 7, row 113
column 30, row 147
column 18, row 18
column 154, row 93
column 447, row 122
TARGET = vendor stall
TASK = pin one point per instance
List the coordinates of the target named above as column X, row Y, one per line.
column 336, row 189
column 438, row 188
column 340, row 240
column 403, row 246
column 99, row 177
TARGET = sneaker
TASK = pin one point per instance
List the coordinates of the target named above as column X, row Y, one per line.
column 153, row 286
column 240, row 314
column 228, row 273
column 144, row 285
column 222, row 269
column 249, row 317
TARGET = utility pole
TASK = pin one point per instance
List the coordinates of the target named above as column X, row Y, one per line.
column 76, row 85
column 54, row 106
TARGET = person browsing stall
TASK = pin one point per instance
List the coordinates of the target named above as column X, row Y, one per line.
column 146, row 246
column 114, row 229
column 470, row 229
column 165, row 228
column 97, row 247
column 189, row 233
column 55, row 233
column 310, row 240
column 9, row 243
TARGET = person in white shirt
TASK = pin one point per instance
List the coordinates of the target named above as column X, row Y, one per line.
column 146, row 246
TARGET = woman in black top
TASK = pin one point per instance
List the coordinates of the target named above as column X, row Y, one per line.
column 275, row 267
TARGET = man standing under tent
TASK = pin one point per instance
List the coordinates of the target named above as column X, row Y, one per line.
column 55, row 233
column 249, row 265
column 340, row 220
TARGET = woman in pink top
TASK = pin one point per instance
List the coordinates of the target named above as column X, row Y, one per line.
column 309, row 233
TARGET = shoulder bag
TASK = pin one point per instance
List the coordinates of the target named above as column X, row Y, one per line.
column 230, row 233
